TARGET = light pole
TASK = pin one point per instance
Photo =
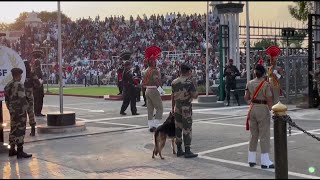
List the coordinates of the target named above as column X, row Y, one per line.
column 46, row 46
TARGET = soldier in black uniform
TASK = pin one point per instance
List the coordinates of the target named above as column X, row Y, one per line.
column 231, row 72
column 128, row 93
column 38, row 92
column 137, row 79
column 120, row 76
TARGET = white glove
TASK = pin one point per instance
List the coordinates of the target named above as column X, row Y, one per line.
column 161, row 91
column 277, row 74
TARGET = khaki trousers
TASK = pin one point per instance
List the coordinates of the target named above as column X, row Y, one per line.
column 154, row 102
column 276, row 95
column 260, row 128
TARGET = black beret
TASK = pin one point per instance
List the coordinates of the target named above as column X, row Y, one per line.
column 16, row 71
column 185, row 66
column 260, row 68
column 125, row 56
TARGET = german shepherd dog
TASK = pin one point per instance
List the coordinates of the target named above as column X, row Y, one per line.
column 164, row 131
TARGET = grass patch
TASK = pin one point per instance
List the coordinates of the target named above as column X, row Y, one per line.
column 91, row 91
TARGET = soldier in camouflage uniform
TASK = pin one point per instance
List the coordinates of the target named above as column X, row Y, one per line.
column 17, row 104
column 31, row 82
column 183, row 92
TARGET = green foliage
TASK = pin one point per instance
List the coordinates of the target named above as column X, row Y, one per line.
column 201, row 89
column 297, row 39
column 19, row 23
column 264, row 44
column 301, row 10
column 4, row 26
column 43, row 15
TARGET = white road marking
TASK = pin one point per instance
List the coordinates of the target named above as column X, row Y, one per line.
column 235, row 125
column 246, row 165
column 242, row 144
column 120, row 124
column 97, row 111
column 71, row 108
column 79, row 104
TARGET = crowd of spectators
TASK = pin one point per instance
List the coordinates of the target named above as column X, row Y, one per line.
column 91, row 46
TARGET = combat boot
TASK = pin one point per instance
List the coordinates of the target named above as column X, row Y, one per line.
column 12, row 151
column 33, row 131
column 179, row 151
column 189, row 154
column 21, row 154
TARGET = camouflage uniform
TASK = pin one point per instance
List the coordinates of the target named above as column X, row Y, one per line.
column 31, row 82
column 17, row 104
column 183, row 90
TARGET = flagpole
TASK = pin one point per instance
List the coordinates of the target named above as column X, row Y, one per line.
column 60, row 57
column 207, row 50
column 248, row 42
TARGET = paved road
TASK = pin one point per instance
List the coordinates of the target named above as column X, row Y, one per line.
column 115, row 146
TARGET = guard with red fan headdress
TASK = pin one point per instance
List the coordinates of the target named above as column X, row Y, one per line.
column 275, row 73
column 152, row 81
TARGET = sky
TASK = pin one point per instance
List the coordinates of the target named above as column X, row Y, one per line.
column 276, row 11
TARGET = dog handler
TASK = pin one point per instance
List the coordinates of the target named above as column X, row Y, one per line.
column 183, row 92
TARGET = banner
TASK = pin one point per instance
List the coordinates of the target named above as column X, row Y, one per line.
column 9, row 59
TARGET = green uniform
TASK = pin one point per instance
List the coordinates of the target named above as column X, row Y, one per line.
column 183, row 90
column 17, row 104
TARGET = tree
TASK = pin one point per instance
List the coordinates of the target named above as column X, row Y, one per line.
column 301, row 10
column 4, row 26
column 297, row 39
column 264, row 44
column 19, row 23
column 52, row 16
column 43, row 15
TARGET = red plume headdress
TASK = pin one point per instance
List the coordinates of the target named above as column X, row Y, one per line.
column 152, row 53
column 273, row 51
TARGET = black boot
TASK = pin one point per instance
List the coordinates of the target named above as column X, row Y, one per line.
column 179, row 151
column 33, row 131
column 12, row 151
column 21, row 154
column 189, row 154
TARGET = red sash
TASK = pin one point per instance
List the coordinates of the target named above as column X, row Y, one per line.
column 251, row 104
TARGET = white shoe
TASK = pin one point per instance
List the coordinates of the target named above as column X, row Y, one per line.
column 156, row 123
column 252, row 158
column 150, row 124
column 265, row 161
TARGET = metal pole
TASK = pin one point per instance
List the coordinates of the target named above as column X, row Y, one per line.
column 207, row 50
column 60, row 57
column 1, row 124
column 221, row 55
column 287, row 71
column 48, row 75
column 280, row 148
column 310, row 59
column 247, row 42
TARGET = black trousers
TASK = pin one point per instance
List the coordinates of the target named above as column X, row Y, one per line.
column 38, row 100
column 129, row 97
column 144, row 95
column 138, row 94
column 232, row 86
column 120, row 86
